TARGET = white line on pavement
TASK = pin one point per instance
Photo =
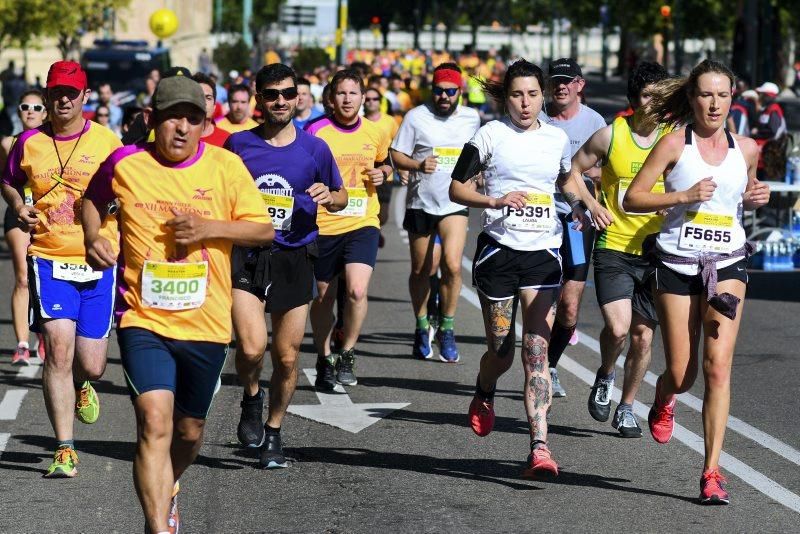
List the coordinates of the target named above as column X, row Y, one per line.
column 29, row 371
column 9, row 406
column 4, row 437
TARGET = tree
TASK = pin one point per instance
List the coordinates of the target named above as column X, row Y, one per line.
column 20, row 22
column 265, row 12
column 68, row 20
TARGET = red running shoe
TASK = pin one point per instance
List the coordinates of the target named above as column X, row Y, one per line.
column 540, row 464
column 712, row 489
column 21, row 356
column 661, row 418
column 40, row 352
column 481, row 416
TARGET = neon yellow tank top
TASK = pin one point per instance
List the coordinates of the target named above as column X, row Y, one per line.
column 625, row 158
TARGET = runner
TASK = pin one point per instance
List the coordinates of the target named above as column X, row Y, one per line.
column 625, row 299
column 306, row 110
column 428, row 145
column 566, row 111
column 238, row 117
column 71, row 303
column 348, row 240
column 387, row 123
column 701, row 252
column 517, row 256
column 295, row 173
column 32, row 114
column 212, row 134
column 177, row 229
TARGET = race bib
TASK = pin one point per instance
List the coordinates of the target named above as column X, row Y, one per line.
column 280, row 209
column 537, row 215
column 356, row 203
column 75, row 273
column 174, row 286
column 625, row 183
column 446, row 158
column 707, row 232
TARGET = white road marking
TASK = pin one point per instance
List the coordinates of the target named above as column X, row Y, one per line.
column 29, row 371
column 4, row 437
column 10, row 405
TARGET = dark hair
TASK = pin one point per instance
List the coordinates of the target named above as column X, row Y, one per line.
column 103, row 84
column 103, row 106
column 238, row 88
column 448, row 66
column 346, row 74
column 671, row 97
column 498, row 91
column 32, row 92
column 375, row 78
column 645, row 73
column 303, row 81
column 368, row 89
column 272, row 74
column 205, row 79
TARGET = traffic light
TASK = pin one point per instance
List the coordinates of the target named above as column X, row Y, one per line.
column 666, row 11
column 376, row 20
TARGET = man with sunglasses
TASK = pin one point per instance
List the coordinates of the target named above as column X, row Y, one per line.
column 177, row 229
column 565, row 111
column 44, row 181
column 295, row 172
column 428, row 145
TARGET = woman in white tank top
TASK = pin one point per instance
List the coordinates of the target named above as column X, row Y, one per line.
column 700, row 261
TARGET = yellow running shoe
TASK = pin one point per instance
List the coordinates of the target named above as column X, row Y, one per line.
column 64, row 462
column 87, row 407
column 174, row 520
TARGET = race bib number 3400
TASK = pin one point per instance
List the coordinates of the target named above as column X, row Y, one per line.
column 537, row 215
column 707, row 232
column 174, row 286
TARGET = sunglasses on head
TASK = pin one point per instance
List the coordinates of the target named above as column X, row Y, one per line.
column 451, row 91
column 271, row 95
column 35, row 107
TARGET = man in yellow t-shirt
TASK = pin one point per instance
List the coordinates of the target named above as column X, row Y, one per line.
column 44, row 181
column 178, row 227
column 239, row 117
column 348, row 239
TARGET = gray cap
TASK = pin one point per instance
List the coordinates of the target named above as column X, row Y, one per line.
column 178, row 90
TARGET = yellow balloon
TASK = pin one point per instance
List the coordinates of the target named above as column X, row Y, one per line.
column 163, row 23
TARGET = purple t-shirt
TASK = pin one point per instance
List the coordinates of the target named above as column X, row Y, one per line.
column 287, row 172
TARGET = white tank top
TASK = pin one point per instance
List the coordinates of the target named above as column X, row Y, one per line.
column 712, row 227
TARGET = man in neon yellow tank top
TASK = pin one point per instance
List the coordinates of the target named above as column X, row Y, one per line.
column 619, row 264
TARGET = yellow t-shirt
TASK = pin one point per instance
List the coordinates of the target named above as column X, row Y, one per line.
column 33, row 164
column 213, row 184
column 228, row 126
column 355, row 150
column 388, row 124
column 625, row 158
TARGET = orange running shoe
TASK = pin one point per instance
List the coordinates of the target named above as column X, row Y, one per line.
column 712, row 489
column 481, row 416
column 540, row 464
column 661, row 418
column 21, row 356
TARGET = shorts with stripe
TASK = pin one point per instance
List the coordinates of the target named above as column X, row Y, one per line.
column 500, row 272
column 89, row 304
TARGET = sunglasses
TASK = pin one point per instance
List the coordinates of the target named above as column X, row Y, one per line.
column 271, row 95
column 35, row 107
column 439, row 91
column 101, row 115
column 372, row 100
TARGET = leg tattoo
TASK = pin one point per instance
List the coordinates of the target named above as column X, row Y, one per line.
column 537, row 384
column 501, row 321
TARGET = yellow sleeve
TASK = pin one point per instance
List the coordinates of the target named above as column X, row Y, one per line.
column 246, row 202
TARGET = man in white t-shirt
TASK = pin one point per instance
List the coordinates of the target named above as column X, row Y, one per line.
column 428, row 145
column 565, row 111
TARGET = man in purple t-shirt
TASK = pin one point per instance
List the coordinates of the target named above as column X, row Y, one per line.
column 295, row 172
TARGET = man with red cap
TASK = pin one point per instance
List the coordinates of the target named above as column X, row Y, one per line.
column 428, row 144
column 771, row 127
column 44, row 181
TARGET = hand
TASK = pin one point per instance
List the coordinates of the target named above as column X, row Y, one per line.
column 581, row 218
column 375, row 176
column 321, row 194
column 428, row 165
column 27, row 216
column 758, row 195
column 515, row 199
column 100, row 254
column 188, row 228
column 702, row 191
column 403, row 177
column 601, row 217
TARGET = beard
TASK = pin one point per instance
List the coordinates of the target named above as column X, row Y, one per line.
column 444, row 112
column 274, row 120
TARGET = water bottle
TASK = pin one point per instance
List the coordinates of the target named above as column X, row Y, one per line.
column 795, row 162
column 796, row 257
column 757, row 259
column 786, row 257
column 769, row 256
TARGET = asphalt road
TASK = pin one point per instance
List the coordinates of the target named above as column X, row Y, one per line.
column 421, row 469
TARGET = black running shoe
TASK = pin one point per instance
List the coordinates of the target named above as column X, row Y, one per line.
column 600, row 399
column 326, row 373
column 251, row 424
column 344, row 368
column 272, row 453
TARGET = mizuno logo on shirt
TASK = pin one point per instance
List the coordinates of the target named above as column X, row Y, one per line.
column 201, row 194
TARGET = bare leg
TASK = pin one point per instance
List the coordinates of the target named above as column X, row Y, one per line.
column 57, row 383
column 251, row 339
column 421, row 248
column 153, row 472
column 453, row 233
column 357, row 276
column 289, row 327
column 322, row 315
column 18, row 242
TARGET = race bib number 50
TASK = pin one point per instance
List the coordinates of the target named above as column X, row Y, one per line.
column 707, row 232
column 356, row 203
column 537, row 215
column 174, row 286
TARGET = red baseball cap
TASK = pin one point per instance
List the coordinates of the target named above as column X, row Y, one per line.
column 68, row 73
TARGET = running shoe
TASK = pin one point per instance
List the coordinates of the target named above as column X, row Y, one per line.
column 345, row 373
column 326, row 373
column 712, row 488
column 574, row 339
column 481, row 416
column 21, row 356
column 174, row 518
column 448, row 352
column 337, row 339
column 540, row 464
column 251, row 423
column 87, row 406
column 422, row 344
column 558, row 389
column 272, row 453
column 661, row 418
column 625, row 422
column 40, row 352
column 64, row 461
column 600, row 399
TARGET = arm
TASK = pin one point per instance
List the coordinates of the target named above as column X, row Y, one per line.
column 756, row 194
column 190, row 229
column 593, row 151
column 333, row 201
column 463, row 190
column 25, row 214
column 378, row 174
column 99, row 252
column 407, row 163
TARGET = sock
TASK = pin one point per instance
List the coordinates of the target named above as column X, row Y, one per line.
column 23, row 345
column 602, row 376
column 78, row 385
column 272, row 431
column 482, row 394
column 538, row 444
column 446, row 322
column 423, row 323
column 626, row 407
column 559, row 339
column 66, row 443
